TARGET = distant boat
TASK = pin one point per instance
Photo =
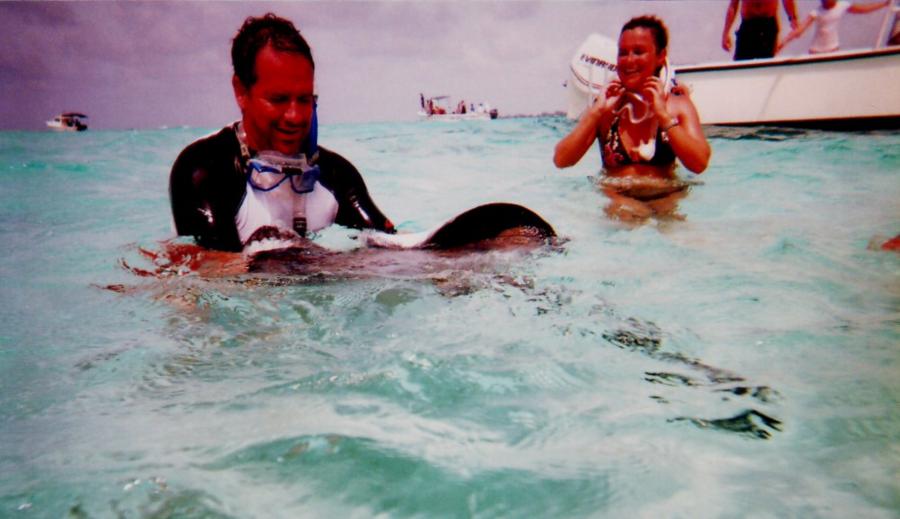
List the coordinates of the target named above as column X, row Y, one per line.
column 68, row 122
column 438, row 108
column 846, row 89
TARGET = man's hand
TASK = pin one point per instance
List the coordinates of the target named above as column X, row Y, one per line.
column 726, row 41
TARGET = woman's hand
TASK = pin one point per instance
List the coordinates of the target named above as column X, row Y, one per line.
column 608, row 101
column 680, row 122
column 573, row 146
column 613, row 95
column 653, row 92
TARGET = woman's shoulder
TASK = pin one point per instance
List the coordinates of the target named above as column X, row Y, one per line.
column 680, row 98
column 679, row 90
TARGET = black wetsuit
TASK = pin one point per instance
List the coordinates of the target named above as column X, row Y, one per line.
column 208, row 182
column 756, row 38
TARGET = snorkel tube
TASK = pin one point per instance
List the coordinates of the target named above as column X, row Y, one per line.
column 311, row 146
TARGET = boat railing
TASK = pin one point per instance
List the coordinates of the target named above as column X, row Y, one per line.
column 889, row 26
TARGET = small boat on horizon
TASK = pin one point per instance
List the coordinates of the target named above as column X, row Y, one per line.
column 438, row 108
column 68, row 122
column 853, row 89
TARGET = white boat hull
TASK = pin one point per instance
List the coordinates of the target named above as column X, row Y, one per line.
column 857, row 88
column 68, row 122
column 54, row 125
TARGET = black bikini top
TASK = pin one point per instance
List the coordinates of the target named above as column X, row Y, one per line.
column 614, row 154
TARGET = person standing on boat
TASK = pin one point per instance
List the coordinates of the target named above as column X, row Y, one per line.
column 265, row 175
column 827, row 17
column 643, row 123
column 757, row 35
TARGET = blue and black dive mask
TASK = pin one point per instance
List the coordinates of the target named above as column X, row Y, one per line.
column 270, row 169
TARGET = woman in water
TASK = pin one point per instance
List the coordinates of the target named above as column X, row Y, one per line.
column 643, row 124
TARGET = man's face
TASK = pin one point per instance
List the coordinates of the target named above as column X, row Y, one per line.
column 277, row 110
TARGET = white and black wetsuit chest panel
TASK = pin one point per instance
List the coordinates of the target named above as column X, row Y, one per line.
column 283, row 208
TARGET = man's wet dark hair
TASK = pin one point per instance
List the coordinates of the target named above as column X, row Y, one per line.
column 255, row 34
column 654, row 25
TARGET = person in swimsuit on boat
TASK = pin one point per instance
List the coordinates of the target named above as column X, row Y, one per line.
column 643, row 126
column 758, row 32
column 827, row 18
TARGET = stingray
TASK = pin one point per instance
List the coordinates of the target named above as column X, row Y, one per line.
column 461, row 244
column 455, row 244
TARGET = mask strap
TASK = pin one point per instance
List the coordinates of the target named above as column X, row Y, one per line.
column 242, row 141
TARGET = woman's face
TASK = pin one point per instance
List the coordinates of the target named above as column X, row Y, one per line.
column 638, row 57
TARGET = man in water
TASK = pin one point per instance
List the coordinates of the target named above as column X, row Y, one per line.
column 265, row 176
column 757, row 35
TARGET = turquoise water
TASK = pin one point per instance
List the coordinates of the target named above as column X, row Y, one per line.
column 742, row 362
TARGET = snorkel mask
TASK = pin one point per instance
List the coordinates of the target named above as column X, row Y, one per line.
column 635, row 107
column 269, row 169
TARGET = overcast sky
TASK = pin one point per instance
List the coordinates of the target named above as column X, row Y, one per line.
column 154, row 64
